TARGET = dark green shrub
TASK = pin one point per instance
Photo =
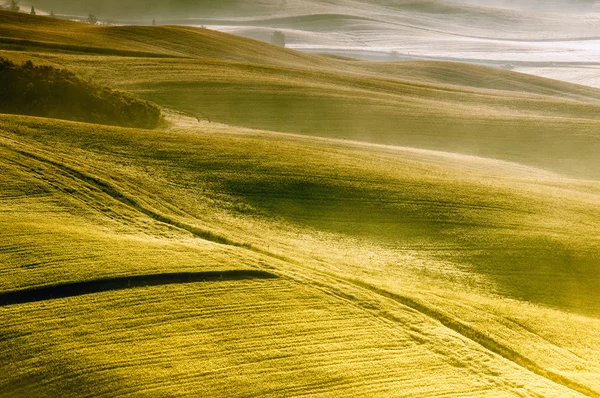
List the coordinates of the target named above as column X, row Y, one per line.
column 57, row 93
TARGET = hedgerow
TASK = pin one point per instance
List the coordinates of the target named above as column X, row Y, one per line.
column 46, row 91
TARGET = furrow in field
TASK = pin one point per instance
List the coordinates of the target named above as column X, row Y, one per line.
column 109, row 284
column 129, row 201
column 484, row 340
column 345, row 293
column 130, row 342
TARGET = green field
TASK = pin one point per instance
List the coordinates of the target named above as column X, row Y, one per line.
column 339, row 227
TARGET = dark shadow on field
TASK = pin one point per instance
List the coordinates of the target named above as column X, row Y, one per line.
column 347, row 208
column 126, row 282
column 478, row 233
column 544, row 271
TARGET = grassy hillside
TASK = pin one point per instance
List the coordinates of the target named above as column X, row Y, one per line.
column 208, row 259
column 24, row 32
column 226, row 79
column 517, row 243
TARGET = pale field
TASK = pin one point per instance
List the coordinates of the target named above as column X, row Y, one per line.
column 548, row 42
column 401, row 271
column 557, row 40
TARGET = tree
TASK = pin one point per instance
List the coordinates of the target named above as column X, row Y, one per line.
column 92, row 19
column 14, row 6
column 32, row 10
column 154, row 22
column 278, row 38
column 52, row 13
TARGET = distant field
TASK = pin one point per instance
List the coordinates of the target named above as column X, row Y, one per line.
column 213, row 257
column 552, row 38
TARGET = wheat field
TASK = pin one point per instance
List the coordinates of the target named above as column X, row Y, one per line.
column 300, row 225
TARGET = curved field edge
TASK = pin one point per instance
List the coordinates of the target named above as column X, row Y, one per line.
column 485, row 340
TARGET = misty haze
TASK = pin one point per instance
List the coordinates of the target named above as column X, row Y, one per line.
column 341, row 198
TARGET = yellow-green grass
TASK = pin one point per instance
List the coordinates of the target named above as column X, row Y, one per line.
column 439, row 273
column 471, row 212
column 226, row 79
column 268, row 338
column 500, row 256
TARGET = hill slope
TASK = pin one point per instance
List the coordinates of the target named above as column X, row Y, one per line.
column 435, row 14
column 409, row 267
column 533, row 37
column 223, row 78
column 208, row 259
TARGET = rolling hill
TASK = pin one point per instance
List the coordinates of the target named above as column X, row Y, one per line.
column 495, row 268
column 226, row 79
column 556, row 39
column 483, row 17
column 448, row 245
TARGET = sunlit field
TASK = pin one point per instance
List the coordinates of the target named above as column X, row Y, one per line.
column 298, row 224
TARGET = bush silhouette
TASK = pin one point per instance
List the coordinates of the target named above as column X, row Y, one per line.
column 278, row 38
column 14, row 6
column 92, row 19
column 57, row 93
